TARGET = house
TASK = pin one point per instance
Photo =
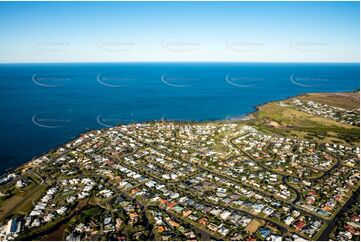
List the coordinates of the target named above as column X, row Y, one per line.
column 62, row 210
column 299, row 225
column 212, row 227
column 225, row 215
column 264, row 232
column 289, row 220
column 187, row 213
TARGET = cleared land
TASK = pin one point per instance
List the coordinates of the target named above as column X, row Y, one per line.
column 283, row 118
column 348, row 100
column 254, row 225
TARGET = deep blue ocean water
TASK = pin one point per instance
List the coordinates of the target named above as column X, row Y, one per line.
column 44, row 105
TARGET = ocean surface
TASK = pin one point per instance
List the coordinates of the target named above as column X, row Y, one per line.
column 44, row 105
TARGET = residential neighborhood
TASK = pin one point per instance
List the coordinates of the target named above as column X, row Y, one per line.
column 184, row 181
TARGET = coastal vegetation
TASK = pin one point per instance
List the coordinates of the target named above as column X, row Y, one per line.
column 287, row 171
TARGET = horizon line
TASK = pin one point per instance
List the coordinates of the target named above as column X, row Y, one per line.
column 175, row 62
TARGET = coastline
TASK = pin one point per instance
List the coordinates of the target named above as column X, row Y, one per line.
column 240, row 118
column 99, row 137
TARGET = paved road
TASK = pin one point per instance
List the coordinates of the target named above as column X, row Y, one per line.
column 292, row 203
column 331, row 224
column 328, row 221
column 282, row 228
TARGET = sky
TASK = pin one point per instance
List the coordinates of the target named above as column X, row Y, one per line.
column 41, row 32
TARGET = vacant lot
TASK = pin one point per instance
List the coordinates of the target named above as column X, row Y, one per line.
column 27, row 203
column 9, row 205
column 21, row 203
column 284, row 119
column 290, row 116
column 347, row 100
column 253, row 226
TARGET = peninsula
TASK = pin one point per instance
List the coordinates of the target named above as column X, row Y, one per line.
column 289, row 171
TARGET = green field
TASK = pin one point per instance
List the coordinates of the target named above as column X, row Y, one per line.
column 286, row 120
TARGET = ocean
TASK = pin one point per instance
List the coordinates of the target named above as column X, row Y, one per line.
column 44, row 105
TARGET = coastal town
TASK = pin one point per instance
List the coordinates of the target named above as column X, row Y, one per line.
column 167, row 180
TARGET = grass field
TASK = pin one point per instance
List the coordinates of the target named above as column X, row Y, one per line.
column 21, row 203
column 347, row 100
column 8, row 205
column 26, row 205
column 286, row 120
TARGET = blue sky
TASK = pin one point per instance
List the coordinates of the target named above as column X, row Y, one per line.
column 179, row 31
